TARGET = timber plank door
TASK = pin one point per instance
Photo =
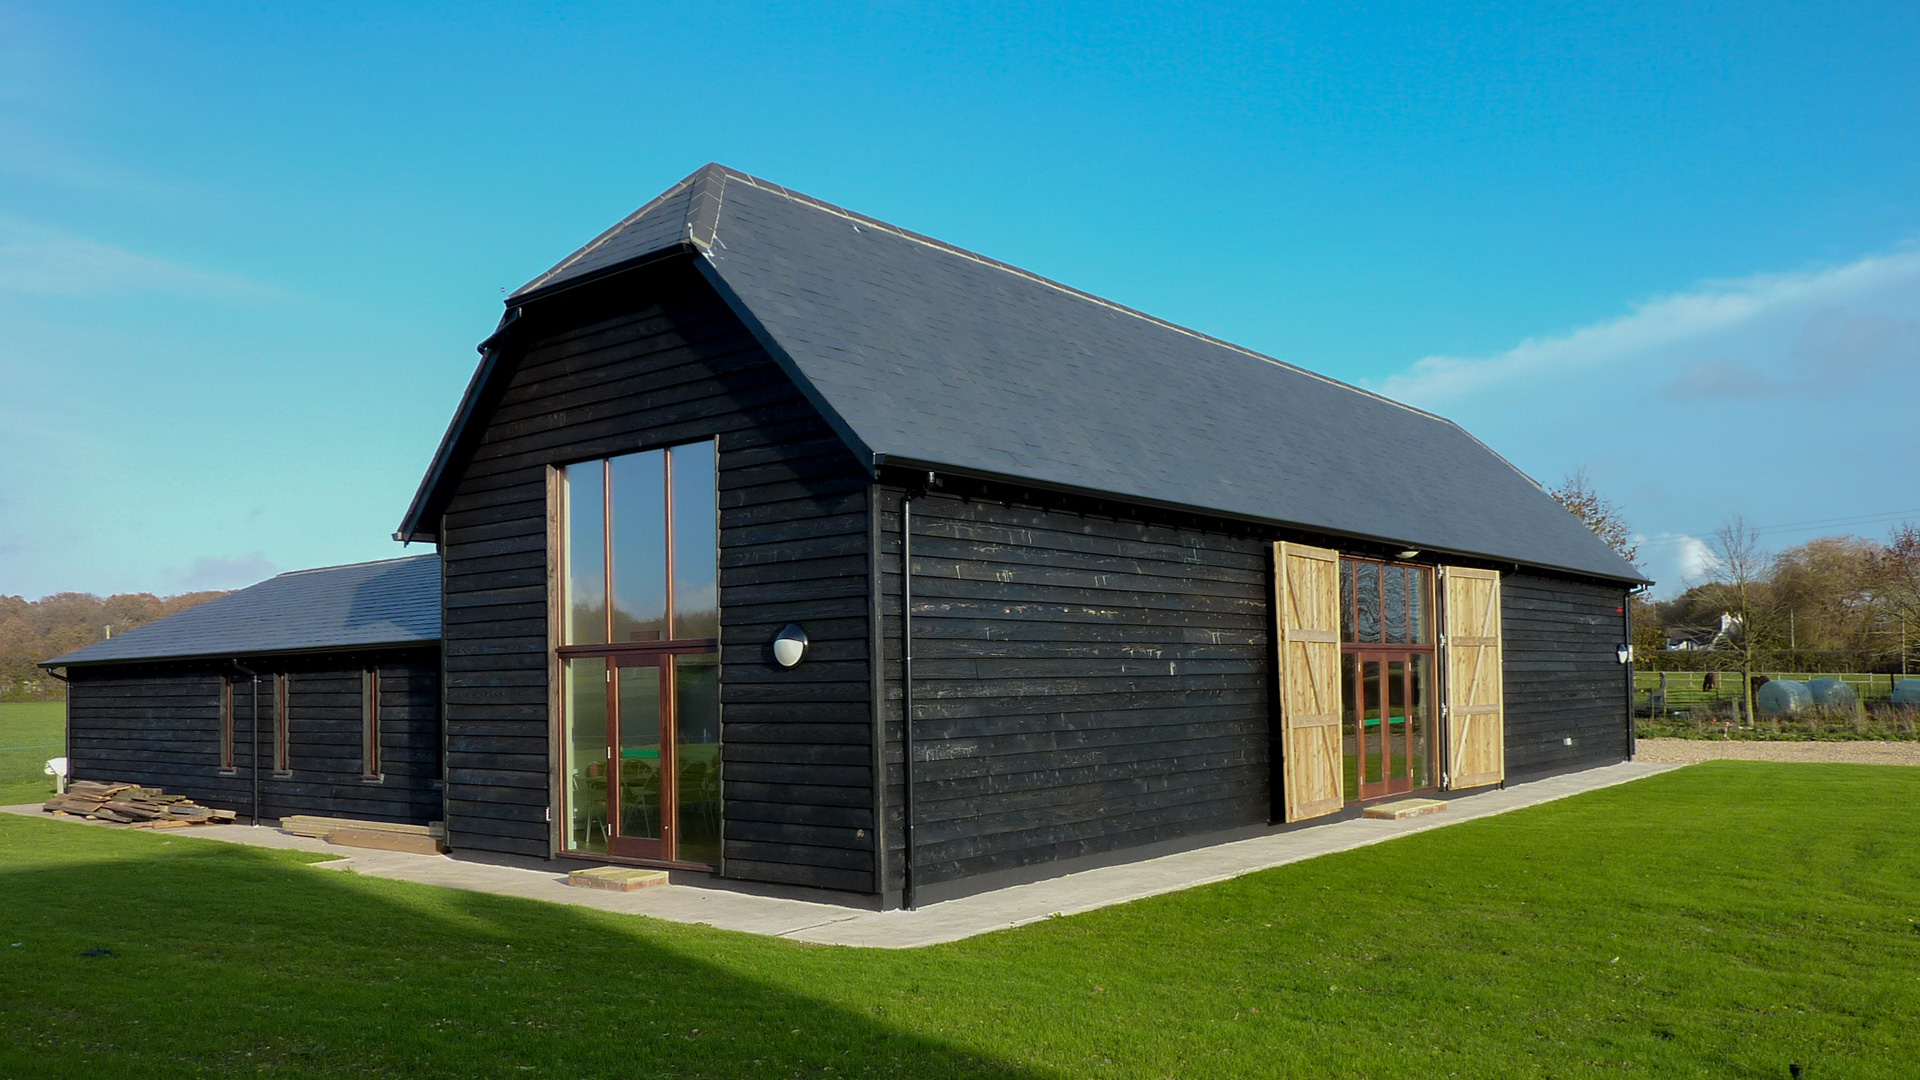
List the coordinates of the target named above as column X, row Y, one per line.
column 1475, row 720
column 1307, row 611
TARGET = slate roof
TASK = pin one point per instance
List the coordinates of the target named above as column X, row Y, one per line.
column 926, row 355
column 391, row 602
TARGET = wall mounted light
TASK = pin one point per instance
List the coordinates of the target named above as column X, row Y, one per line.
column 1624, row 653
column 1408, row 554
column 789, row 645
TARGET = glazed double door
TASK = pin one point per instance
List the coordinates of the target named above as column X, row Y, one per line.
column 1388, row 722
column 644, row 748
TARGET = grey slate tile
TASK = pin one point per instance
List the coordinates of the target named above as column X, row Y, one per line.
column 391, row 602
column 935, row 355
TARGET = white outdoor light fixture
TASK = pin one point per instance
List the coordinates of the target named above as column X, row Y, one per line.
column 1408, row 554
column 789, row 645
column 1624, row 653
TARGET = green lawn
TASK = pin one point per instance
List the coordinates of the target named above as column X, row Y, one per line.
column 1724, row 920
column 30, row 733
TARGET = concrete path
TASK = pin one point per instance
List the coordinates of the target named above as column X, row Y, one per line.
column 951, row 920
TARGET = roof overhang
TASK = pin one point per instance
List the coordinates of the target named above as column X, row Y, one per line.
column 237, row 655
column 495, row 370
column 905, row 464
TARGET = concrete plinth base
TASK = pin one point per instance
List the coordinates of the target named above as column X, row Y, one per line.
column 617, row 878
column 1405, row 808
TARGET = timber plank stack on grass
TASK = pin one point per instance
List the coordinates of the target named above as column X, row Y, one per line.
column 430, row 839
column 131, row 804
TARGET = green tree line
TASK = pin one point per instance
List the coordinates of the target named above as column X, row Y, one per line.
column 1840, row 603
column 35, row 630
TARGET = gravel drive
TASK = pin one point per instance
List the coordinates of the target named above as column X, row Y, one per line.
column 1689, row 751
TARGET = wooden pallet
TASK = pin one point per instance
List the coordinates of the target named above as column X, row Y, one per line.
column 429, row 839
column 131, row 804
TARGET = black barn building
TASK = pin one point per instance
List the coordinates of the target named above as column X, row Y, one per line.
column 1063, row 581
column 315, row 692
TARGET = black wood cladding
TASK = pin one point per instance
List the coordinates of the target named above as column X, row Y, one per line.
column 1563, row 679
column 649, row 359
column 159, row 725
column 1081, row 684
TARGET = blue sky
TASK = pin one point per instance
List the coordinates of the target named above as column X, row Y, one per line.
column 246, row 251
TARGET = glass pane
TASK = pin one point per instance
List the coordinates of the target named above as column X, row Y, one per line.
column 640, row 752
column 1394, row 724
column 1349, row 721
column 1370, row 722
column 1422, row 605
column 585, row 712
column 1419, row 722
column 1394, row 603
column 585, row 545
column 1366, row 593
column 696, row 751
column 1346, row 600
column 696, row 543
column 639, row 546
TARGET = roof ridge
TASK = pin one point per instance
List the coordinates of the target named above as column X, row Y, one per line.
column 559, row 268
column 351, row 565
column 942, row 245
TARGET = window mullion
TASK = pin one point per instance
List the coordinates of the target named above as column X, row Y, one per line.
column 670, row 631
column 606, row 548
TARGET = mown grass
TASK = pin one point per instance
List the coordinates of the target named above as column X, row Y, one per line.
column 30, row 733
column 1724, row 920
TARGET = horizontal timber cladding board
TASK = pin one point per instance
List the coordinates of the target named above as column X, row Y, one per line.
column 801, row 873
column 1082, row 683
column 1562, row 678
column 948, row 862
column 159, row 725
column 651, row 358
column 856, row 818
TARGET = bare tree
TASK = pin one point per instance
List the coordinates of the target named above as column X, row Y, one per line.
column 1577, row 493
column 1895, row 575
column 1740, row 567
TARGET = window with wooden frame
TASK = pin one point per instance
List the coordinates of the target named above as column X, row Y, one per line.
column 370, row 724
column 281, row 721
column 638, row 638
column 226, row 726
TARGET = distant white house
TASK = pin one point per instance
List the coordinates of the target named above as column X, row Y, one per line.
column 1702, row 639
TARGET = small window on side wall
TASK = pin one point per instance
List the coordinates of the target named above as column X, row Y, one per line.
column 370, row 724
column 281, row 721
column 226, row 725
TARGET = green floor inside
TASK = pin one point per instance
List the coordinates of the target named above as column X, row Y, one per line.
column 1724, row 920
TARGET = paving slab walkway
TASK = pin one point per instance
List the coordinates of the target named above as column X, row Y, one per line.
column 950, row 920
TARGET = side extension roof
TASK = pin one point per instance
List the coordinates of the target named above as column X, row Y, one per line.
column 924, row 355
column 391, row 602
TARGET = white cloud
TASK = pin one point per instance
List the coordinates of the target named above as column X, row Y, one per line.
column 1781, row 397
column 1709, row 337
column 45, row 263
column 1675, row 560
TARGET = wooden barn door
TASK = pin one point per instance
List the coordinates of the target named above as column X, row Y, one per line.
column 1475, row 723
column 1307, row 609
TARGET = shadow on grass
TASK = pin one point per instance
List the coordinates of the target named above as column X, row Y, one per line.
column 228, row 958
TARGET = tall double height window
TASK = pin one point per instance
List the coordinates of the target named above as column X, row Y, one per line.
column 638, row 647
